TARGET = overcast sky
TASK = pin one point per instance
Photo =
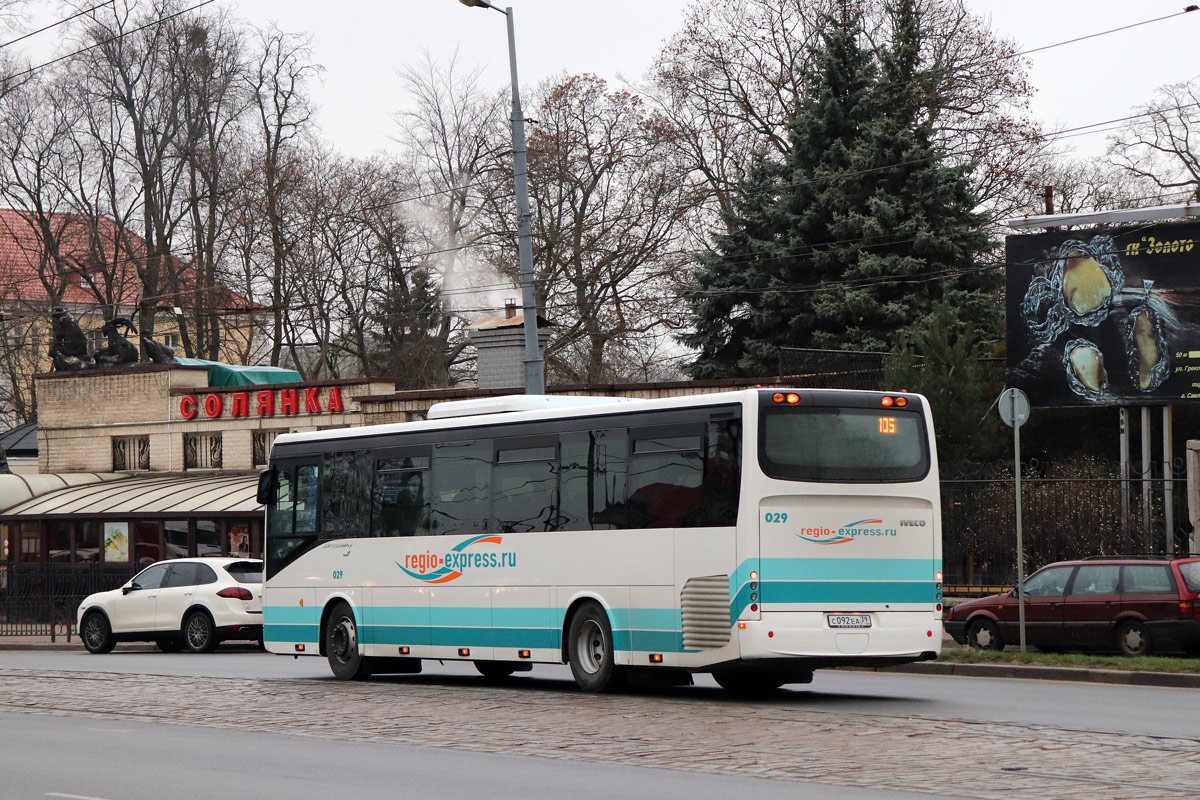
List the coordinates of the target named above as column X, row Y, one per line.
column 362, row 42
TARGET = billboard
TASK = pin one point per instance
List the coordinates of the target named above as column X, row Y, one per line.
column 1105, row 316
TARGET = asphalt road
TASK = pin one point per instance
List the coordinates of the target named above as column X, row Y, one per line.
column 1145, row 711
column 126, row 760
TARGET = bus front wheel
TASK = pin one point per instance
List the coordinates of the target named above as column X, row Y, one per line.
column 341, row 645
column 590, row 649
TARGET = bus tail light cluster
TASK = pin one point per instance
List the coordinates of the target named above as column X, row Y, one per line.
column 791, row 398
column 888, row 401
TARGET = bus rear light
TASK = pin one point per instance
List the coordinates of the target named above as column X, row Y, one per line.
column 741, row 626
column 754, row 606
column 901, row 402
column 929, row 634
column 754, row 575
column 464, row 651
column 793, row 399
column 770, row 634
column 656, row 658
column 235, row 593
column 886, row 402
column 938, row 607
column 777, row 397
column 937, row 576
column 299, row 648
column 523, row 654
column 753, row 596
column 405, row 651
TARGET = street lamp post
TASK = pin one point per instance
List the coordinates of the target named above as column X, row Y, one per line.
column 535, row 379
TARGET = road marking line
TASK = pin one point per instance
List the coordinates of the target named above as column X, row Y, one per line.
column 75, row 796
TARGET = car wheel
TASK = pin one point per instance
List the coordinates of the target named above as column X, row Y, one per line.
column 168, row 644
column 747, row 683
column 495, row 670
column 341, row 645
column 1133, row 639
column 97, row 634
column 199, row 633
column 982, row 634
column 590, row 649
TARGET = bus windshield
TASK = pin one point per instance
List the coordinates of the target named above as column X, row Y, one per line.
column 843, row 445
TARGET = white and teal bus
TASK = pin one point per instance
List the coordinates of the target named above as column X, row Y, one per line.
column 756, row 535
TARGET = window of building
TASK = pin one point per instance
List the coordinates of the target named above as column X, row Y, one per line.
column 146, row 545
column 171, row 340
column 87, row 540
column 175, row 536
column 262, row 446
column 208, row 537
column 202, row 450
column 30, row 534
column 131, row 453
column 59, row 534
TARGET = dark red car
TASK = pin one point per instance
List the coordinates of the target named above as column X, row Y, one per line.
column 1136, row 605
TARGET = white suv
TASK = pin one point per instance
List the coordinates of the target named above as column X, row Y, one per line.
column 191, row 602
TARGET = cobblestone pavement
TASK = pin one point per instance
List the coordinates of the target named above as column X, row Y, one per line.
column 939, row 756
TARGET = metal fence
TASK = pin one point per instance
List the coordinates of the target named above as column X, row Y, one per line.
column 41, row 599
column 1075, row 509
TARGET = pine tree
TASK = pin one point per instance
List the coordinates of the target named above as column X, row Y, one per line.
column 862, row 228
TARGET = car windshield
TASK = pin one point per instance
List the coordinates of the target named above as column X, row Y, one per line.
column 1190, row 570
column 246, row 571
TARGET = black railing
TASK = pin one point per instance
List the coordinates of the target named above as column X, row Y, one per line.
column 41, row 599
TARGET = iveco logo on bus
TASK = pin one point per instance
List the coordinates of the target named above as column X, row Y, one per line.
column 429, row 567
column 846, row 533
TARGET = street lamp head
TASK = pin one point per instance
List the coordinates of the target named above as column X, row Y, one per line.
column 477, row 4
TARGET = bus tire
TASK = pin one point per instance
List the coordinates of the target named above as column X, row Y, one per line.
column 590, row 649
column 341, row 645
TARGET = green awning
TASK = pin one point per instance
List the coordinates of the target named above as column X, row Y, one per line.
column 234, row 375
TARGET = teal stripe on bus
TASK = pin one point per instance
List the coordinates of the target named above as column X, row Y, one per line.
column 848, row 592
column 291, row 615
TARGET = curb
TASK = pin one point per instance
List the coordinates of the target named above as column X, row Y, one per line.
column 1171, row 680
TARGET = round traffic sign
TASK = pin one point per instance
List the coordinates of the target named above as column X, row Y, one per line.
column 1013, row 407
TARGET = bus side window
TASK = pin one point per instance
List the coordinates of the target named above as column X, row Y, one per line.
column 666, row 477
column 281, row 507
column 525, row 486
column 345, row 494
column 722, row 473
column 306, row 498
column 593, row 479
column 461, row 476
column 400, row 500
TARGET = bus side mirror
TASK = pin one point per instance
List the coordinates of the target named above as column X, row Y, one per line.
column 268, row 485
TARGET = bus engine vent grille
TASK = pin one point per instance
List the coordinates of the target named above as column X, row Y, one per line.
column 705, row 604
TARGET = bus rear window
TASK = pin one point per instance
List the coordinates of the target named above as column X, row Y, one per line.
column 843, row 445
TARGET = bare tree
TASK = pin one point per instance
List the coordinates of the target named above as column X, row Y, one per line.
column 609, row 199
column 277, row 79
column 1158, row 146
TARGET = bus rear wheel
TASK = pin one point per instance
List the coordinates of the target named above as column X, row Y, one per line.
column 590, row 649
column 341, row 645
